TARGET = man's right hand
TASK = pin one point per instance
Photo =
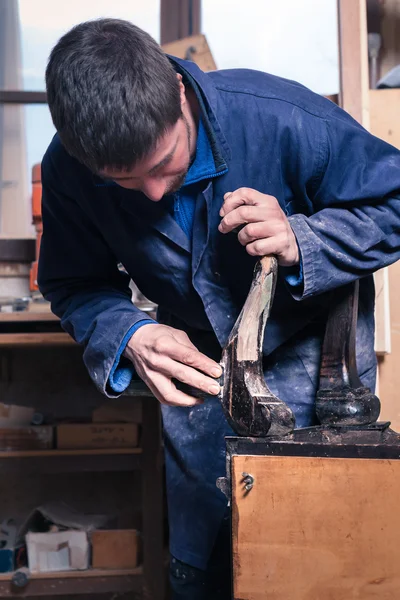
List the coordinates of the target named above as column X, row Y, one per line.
column 160, row 353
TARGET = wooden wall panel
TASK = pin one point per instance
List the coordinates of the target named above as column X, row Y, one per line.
column 316, row 529
column 355, row 98
column 385, row 123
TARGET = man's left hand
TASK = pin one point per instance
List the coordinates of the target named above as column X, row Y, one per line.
column 265, row 227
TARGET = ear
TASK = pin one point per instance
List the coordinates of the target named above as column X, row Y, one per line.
column 182, row 90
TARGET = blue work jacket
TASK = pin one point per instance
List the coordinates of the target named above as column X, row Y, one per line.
column 339, row 187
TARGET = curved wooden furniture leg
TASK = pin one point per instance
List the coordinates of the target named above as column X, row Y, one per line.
column 249, row 405
column 342, row 399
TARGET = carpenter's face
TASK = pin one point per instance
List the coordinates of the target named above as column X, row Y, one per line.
column 164, row 170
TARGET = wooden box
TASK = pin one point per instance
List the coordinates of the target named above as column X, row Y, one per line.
column 317, row 523
column 119, row 410
column 26, row 438
column 92, row 435
column 114, row 549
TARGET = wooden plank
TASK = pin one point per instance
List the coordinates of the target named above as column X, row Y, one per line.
column 75, row 574
column 384, row 115
column 23, row 316
column 31, row 339
column 94, row 581
column 353, row 59
column 179, row 18
column 46, row 453
column 384, row 108
column 383, row 337
column 201, row 53
column 389, row 371
column 355, row 98
column 154, row 587
column 314, row 528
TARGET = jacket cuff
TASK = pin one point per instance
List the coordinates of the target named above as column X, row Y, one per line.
column 308, row 258
column 123, row 370
column 294, row 276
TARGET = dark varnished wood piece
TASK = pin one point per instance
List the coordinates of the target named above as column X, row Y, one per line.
column 342, row 399
column 249, row 405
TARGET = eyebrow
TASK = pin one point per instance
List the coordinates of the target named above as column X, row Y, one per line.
column 162, row 162
column 165, row 160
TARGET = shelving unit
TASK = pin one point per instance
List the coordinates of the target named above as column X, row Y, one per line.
column 30, row 329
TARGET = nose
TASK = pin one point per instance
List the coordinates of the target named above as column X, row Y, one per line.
column 154, row 189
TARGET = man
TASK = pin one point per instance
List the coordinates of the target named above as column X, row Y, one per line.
column 156, row 165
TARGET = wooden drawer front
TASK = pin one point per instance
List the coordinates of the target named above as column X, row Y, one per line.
column 316, row 528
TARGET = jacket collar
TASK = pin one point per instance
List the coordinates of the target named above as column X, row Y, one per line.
column 207, row 96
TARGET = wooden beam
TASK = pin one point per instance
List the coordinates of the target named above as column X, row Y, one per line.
column 354, row 98
column 179, row 19
column 193, row 48
column 353, row 59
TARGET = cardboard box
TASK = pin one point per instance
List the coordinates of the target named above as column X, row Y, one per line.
column 12, row 415
column 88, row 435
column 119, row 410
column 39, row 437
column 58, row 551
column 114, row 549
column 57, row 538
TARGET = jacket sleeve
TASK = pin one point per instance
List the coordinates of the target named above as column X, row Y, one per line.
column 355, row 226
column 79, row 275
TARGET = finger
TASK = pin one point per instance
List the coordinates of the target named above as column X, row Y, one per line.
column 175, row 370
column 255, row 231
column 165, row 391
column 241, row 215
column 187, row 354
column 243, row 196
column 264, row 247
column 188, row 375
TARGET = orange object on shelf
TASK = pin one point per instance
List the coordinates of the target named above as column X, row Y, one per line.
column 37, row 220
column 33, row 275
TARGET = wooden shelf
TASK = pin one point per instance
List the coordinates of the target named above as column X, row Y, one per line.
column 30, row 339
column 71, row 461
column 92, row 581
column 26, row 315
column 55, row 452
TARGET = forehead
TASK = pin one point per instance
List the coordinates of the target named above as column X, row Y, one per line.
column 164, row 150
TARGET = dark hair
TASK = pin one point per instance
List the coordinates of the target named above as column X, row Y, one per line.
column 112, row 93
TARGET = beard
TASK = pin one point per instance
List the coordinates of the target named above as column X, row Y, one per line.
column 179, row 179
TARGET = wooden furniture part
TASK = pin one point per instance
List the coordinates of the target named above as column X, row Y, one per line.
column 249, row 405
column 95, row 582
column 319, row 503
column 385, row 123
column 314, row 511
column 193, row 48
column 146, row 581
column 319, row 520
column 179, row 19
column 114, row 549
